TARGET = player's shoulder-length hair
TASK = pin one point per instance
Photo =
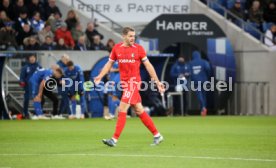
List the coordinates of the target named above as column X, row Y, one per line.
column 127, row 29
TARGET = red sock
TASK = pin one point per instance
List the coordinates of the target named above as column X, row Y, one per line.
column 145, row 118
column 121, row 122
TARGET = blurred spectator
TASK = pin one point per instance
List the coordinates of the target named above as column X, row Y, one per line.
column 110, row 44
column 37, row 23
column 3, row 19
column 62, row 32
column 237, row 10
column 77, row 32
column 48, row 44
column 255, row 13
column 248, row 3
column 55, row 21
column 24, row 32
column 97, row 44
column 71, row 20
column 8, row 37
column 7, row 7
column 270, row 39
column 23, row 27
column 32, row 44
column 46, row 31
column 180, row 69
column 18, row 7
column 270, row 13
column 81, row 45
column 51, row 9
column 36, row 6
column 22, row 20
column 61, row 45
column 91, row 32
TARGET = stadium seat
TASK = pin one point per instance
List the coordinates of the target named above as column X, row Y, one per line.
column 266, row 26
column 249, row 28
column 230, row 4
column 217, row 8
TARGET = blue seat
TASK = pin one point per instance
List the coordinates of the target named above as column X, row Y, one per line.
column 230, row 4
column 217, row 8
column 249, row 27
column 267, row 25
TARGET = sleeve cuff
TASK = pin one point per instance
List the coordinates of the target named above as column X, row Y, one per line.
column 111, row 60
column 144, row 59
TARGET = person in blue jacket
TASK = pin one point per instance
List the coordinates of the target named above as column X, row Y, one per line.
column 62, row 63
column 26, row 72
column 75, row 73
column 200, row 73
column 37, row 85
column 64, row 102
column 114, row 94
column 180, row 69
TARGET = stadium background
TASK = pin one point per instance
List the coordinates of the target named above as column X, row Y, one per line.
column 243, row 44
column 235, row 47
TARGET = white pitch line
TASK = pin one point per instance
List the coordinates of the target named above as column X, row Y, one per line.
column 144, row 156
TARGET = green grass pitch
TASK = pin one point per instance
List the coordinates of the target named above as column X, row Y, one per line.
column 192, row 142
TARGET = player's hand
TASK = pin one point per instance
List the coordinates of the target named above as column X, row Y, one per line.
column 62, row 82
column 161, row 87
column 37, row 98
column 22, row 84
column 97, row 80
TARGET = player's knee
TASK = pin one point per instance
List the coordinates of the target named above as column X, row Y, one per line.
column 122, row 109
column 138, row 112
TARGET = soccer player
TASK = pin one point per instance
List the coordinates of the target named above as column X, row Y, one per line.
column 37, row 88
column 64, row 102
column 75, row 73
column 129, row 56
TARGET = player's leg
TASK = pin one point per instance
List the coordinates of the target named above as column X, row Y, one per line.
column 73, row 107
column 204, row 110
column 200, row 97
column 83, row 105
column 147, row 121
column 73, row 101
column 121, row 121
column 64, row 102
column 37, row 104
column 54, row 100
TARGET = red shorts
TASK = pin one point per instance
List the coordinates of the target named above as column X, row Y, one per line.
column 131, row 94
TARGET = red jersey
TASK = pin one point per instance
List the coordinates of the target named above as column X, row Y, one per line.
column 129, row 59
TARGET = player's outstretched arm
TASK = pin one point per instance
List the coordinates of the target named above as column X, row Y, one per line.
column 154, row 76
column 103, row 72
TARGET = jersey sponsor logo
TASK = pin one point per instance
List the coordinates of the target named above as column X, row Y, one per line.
column 126, row 60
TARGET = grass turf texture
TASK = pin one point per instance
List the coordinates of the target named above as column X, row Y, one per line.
column 190, row 142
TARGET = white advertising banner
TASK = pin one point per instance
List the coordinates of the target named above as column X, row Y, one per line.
column 133, row 10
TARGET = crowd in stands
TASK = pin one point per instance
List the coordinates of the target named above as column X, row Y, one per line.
column 260, row 14
column 39, row 25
